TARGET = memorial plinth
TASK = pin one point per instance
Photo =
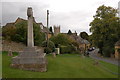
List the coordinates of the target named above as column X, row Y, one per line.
column 30, row 58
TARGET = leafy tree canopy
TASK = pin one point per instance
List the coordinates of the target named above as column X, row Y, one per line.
column 51, row 29
column 61, row 39
column 84, row 35
column 69, row 32
column 105, row 29
column 18, row 33
column 50, row 48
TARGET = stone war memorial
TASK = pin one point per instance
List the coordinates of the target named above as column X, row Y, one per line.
column 30, row 58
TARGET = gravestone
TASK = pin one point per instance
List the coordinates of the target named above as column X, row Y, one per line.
column 30, row 58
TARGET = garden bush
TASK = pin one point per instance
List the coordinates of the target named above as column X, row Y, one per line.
column 18, row 33
column 67, row 49
column 108, row 50
column 60, row 39
column 50, row 48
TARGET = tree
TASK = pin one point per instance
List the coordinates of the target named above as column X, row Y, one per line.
column 18, row 33
column 65, row 43
column 50, row 48
column 84, row 35
column 39, row 37
column 51, row 29
column 21, row 32
column 105, row 30
column 60, row 39
column 8, row 32
column 69, row 32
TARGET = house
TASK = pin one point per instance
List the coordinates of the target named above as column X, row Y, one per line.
column 46, row 30
column 83, row 44
column 43, row 28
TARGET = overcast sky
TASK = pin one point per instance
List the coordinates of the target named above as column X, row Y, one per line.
column 69, row 14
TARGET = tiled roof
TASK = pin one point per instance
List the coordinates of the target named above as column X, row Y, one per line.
column 45, row 30
column 80, row 40
column 9, row 24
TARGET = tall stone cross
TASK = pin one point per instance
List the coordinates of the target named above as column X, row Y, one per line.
column 30, row 39
column 30, row 58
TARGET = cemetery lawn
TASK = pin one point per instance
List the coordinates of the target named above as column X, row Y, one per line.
column 0, row 64
column 63, row 66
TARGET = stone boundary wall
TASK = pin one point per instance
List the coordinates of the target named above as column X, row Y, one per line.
column 12, row 46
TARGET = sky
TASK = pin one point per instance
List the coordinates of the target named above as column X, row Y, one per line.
column 75, row 15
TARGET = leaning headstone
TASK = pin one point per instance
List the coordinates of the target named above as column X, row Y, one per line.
column 54, row 54
column 30, row 58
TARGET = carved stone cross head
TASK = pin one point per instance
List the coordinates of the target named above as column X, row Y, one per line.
column 29, row 12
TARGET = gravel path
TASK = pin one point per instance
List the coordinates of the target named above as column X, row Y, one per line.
column 94, row 55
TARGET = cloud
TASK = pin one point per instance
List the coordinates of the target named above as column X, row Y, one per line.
column 70, row 14
column 75, row 20
column 0, row 14
column 13, row 10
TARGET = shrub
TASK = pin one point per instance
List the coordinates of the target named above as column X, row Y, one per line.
column 67, row 49
column 39, row 37
column 8, row 32
column 108, row 50
column 18, row 33
column 50, row 48
column 65, row 43
column 47, row 50
column 60, row 39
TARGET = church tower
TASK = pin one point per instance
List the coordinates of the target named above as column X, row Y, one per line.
column 56, row 30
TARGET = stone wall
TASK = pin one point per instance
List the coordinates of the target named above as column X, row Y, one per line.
column 84, row 46
column 117, row 54
column 13, row 46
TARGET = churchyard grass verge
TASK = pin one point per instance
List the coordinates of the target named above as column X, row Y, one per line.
column 63, row 66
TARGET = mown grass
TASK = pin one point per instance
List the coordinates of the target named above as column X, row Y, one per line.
column 0, row 64
column 63, row 66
